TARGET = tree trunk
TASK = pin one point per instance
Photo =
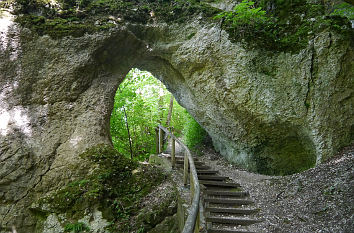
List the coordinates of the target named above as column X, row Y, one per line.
column 168, row 121
column 160, row 110
column 127, row 125
column 129, row 137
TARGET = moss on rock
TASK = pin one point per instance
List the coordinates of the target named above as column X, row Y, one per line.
column 58, row 27
column 115, row 187
column 73, row 19
column 289, row 25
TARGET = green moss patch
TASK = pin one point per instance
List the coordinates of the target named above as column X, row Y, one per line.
column 75, row 18
column 116, row 187
column 288, row 25
column 57, row 27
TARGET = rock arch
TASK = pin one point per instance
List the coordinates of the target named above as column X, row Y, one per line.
column 57, row 96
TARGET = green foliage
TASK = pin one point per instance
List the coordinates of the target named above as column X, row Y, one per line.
column 194, row 134
column 76, row 227
column 244, row 14
column 344, row 10
column 247, row 22
column 146, row 103
column 286, row 26
column 142, row 114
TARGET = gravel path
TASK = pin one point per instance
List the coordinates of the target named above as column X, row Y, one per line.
column 317, row 200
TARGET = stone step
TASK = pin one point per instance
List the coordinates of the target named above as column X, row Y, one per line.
column 196, row 163
column 228, row 201
column 198, row 167
column 214, row 230
column 226, row 193
column 181, row 158
column 201, row 168
column 230, row 210
column 236, row 221
column 207, row 172
column 211, row 177
column 219, row 184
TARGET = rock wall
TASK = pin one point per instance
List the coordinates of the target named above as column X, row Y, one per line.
column 56, row 100
column 264, row 110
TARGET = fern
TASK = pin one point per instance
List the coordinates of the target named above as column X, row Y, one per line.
column 243, row 13
column 76, row 227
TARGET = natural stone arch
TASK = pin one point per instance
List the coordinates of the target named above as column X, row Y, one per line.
column 281, row 149
column 65, row 87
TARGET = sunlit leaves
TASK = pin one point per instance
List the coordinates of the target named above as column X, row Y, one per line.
column 146, row 102
column 345, row 10
column 244, row 13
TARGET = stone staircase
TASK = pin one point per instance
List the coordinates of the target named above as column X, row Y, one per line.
column 226, row 206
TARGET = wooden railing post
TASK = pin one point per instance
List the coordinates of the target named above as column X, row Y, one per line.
column 185, row 172
column 157, row 140
column 192, row 223
column 173, row 153
column 191, row 182
column 197, row 223
column 160, row 140
column 196, row 227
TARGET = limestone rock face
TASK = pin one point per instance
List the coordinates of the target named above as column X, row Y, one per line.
column 262, row 109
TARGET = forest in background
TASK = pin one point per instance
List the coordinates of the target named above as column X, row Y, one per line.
column 141, row 103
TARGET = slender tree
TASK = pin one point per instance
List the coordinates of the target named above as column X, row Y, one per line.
column 169, row 115
column 127, row 125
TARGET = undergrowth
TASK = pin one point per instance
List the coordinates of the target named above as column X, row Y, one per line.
column 194, row 134
column 280, row 25
column 76, row 227
column 116, row 186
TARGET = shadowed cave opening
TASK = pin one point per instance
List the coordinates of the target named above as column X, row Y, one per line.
column 285, row 155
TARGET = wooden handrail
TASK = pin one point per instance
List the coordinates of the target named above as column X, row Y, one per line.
column 192, row 223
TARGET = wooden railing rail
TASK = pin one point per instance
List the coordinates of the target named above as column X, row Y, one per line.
column 192, row 223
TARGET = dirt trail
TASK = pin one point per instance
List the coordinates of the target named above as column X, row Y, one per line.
column 317, row 200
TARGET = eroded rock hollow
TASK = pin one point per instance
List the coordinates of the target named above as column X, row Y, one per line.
column 264, row 110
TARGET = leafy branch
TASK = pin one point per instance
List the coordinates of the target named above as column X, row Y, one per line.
column 244, row 17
